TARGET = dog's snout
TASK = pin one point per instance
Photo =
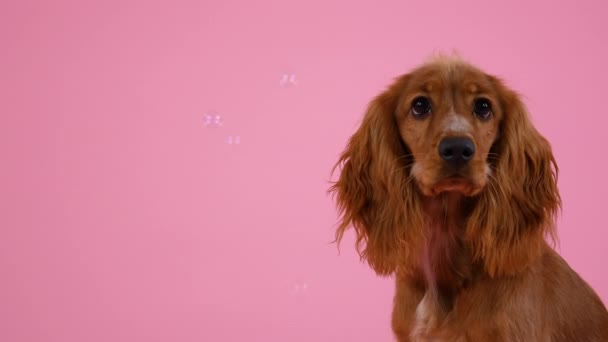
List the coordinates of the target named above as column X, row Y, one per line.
column 456, row 151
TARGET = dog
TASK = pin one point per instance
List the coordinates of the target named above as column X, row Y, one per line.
column 450, row 188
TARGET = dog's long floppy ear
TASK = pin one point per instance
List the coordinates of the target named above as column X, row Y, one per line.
column 374, row 193
column 517, row 210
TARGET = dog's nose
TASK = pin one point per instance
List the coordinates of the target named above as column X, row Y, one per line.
column 456, row 151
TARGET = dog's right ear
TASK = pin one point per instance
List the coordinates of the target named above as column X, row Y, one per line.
column 374, row 191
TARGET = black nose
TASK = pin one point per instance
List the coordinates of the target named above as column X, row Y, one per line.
column 456, row 151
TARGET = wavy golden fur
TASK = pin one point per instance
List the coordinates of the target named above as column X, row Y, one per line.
column 467, row 246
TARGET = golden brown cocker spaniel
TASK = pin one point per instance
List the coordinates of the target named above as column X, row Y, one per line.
column 451, row 189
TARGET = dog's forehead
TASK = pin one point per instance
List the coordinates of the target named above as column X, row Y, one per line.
column 451, row 74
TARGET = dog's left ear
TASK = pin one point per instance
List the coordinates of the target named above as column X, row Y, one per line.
column 517, row 210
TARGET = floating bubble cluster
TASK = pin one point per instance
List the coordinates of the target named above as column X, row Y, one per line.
column 214, row 120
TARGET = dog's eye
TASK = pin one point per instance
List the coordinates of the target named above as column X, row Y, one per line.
column 482, row 108
column 421, row 106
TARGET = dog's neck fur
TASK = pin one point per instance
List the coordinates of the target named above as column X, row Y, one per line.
column 445, row 265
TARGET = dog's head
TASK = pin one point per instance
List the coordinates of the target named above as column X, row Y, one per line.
column 448, row 127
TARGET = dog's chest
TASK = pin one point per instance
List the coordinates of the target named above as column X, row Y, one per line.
column 444, row 263
column 430, row 323
column 444, row 268
column 428, row 314
column 424, row 320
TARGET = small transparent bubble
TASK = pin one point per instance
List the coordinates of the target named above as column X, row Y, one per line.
column 212, row 120
column 233, row 140
column 217, row 121
column 298, row 289
column 207, row 119
column 288, row 79
column 284, row 79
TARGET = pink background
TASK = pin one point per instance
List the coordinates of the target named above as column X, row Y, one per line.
column 130, row 212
